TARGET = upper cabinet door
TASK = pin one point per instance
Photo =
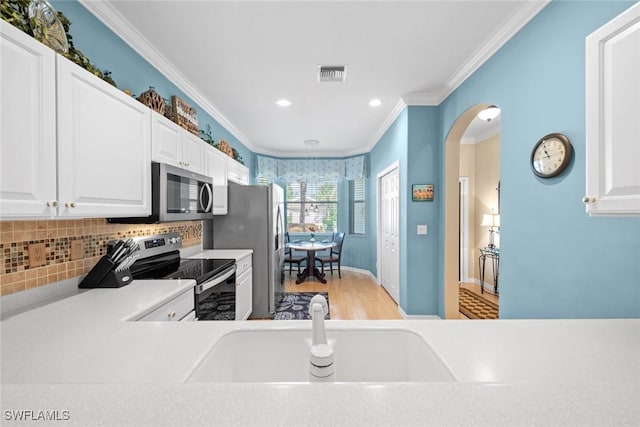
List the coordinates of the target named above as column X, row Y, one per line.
column 613, row 117
column 166, row 140
column 104, row 147
column 237, row 172
column 216, row 164
column 174, row 145
column 27, row 126
column 193, row 153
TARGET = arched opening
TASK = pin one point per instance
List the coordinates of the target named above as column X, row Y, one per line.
column 454, row 212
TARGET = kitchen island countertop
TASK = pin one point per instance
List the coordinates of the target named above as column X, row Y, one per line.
column 83, row 356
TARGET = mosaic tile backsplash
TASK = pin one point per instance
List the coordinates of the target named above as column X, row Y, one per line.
column 57, row 236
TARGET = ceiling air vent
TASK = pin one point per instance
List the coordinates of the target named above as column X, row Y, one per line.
column 332, row 73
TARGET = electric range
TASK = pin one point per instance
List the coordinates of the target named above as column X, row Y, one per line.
column 214, row 293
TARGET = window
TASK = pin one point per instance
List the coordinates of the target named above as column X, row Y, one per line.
column 312, row 204
column 357, row 212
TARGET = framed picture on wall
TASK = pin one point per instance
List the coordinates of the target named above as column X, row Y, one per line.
column 422, row 192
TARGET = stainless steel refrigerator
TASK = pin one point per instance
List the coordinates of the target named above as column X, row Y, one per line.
column 254, row 220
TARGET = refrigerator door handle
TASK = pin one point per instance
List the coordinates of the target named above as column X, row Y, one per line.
column 278, row 227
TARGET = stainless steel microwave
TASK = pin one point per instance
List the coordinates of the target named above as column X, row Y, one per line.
column 176, row 195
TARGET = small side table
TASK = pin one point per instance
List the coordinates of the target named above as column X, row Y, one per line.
column 494, row 255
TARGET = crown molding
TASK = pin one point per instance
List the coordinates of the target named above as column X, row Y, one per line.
column 391, row 118
column 117, row 23
column 500, row 37
column 421, row 99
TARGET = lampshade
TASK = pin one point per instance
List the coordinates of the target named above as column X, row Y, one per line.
column 489, row 113
column 490, row 220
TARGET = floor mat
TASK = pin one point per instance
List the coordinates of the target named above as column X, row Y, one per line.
column 474, row 306
column 295, row 306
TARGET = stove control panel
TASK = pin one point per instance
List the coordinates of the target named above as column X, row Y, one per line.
column 158, row 244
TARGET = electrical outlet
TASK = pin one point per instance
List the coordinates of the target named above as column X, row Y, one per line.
column 37, row 255
column 77, row 250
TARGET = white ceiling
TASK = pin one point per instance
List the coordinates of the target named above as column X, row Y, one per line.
column 237, row 58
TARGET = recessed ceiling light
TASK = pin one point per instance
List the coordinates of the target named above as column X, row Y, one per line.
column 375, row 102
column 283, row 102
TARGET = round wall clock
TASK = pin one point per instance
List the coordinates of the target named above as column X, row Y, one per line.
column 551, row 155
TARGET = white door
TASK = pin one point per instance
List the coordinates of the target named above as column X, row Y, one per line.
column 613, row 108
column 389, row 232
column 104, row 147
column 216, row 164
column 463, row 190
column 193, row 153
column 28, row 126
column 166, row 141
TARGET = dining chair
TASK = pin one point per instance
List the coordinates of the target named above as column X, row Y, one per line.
column 288, row 255
column 334, row 255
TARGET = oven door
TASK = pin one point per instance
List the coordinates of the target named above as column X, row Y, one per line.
column 216, row 298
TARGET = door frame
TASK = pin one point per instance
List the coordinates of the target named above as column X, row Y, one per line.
column 464, row 229
column 393, row 166
column 452, row 208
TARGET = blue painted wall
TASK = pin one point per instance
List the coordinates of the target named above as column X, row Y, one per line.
column 130, row 71
column 556, row 262
column 421, row 256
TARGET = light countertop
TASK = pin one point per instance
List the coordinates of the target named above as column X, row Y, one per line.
column 81, row 355
column 236, row 254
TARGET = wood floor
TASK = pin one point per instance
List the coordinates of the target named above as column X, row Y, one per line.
column 355, row 296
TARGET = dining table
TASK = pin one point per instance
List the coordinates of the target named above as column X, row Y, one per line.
column 311, row 248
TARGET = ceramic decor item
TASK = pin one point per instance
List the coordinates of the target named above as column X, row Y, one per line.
column 46, row 26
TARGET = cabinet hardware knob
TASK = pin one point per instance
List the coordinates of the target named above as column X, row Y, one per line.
column 53, row 203
column 172, row 314
column 587, row 199
column 70, row 205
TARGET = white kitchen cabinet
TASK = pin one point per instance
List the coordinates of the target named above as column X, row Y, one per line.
column 176, row 146
column 28, row 125
column 104, row 147
column 237, row 172
column 216, row 166
column 244, row 288
column 72, row 145
column 613, row 109
column 174, row 310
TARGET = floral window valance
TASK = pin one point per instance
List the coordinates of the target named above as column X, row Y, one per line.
column 271, row 169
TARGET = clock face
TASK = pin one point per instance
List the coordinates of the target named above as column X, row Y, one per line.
column 551, row 155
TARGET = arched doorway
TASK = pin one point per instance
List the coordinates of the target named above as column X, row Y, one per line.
column 452, row 245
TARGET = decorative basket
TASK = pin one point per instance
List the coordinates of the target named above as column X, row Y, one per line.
column 185, row 115
column 225, row 148
column 152, row 100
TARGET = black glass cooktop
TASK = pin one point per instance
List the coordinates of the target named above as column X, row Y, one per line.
column 171, row 266
column 200, row 269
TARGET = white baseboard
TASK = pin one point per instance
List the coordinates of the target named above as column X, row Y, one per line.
column 417, row 316
column 362, row 271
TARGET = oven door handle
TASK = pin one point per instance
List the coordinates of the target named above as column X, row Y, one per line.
column 217, row 280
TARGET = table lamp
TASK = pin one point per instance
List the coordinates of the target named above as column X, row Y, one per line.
column 491, row 220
